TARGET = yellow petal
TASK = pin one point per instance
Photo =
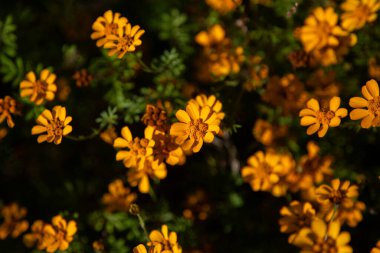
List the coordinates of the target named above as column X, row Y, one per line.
column 358, row 102
column 334, row 103
column 313, row 104
column 126, row 133
column 358, row 114
column 308, row 120
column 373, row 88
column 313, row 128
column 182, row 116
column 38, row 130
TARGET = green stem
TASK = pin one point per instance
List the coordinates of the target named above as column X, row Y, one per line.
column 84, row 137
column 142, row 225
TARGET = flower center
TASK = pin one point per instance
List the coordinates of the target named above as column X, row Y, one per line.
column 124, row 43
column 323, row 31
column 374, row 106
column 138, row 146
column 41, row 88
column 324, row 116
column 362, row 13
column 55, row 128
column 111, row 29
column 197, row 129
column 325, row 245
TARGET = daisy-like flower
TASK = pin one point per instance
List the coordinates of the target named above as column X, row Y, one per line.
column 321, row 30
column 367, row 108
column 39, row 90
column 223, row 6
column 36, row 236
column 167, row 241
column 140, row 176
column 8, row 106
column 377, row 248
column 322, row 237
column 197, row 125
column 59, row 234
column 107, row 25
column 119, row 198
column 340, row 194
column 295, row 217
column 210, row 101
column 139, row 149
column 267, row 172
column 14, row 223
column 126, row 40
column 358, row 12
column 320, row 119
column 53, row 125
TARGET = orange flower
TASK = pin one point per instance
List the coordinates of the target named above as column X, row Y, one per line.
column 377, row 248
column 36, row 236
column 107, row 25
column 13, row 221
column 210, row 101
column 119, row 198
column 55, row 125
column 167, row 241
column 358, row 12
column 320, row 119
column 59, row 234
column 223, row 6
column 39, row 90
column 8, row 106
column 371, row 101
column 197, row 125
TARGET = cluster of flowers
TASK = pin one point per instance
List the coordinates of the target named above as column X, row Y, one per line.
column 219, row 57
column 324, row 40
column 167, row 144
column 320, row 118
column 114, row 32
column 160, row 241
column 225, row 6
column 49, row 237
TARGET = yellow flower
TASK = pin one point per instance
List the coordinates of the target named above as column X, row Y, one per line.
column 210, row 101
column 119, row 198
column 266, row 133
column 36, row 236
column 351, row 215
column 167, row 241
column 358, row 12
column 377, row 248
column 109, row 135
column 295, row 217
column 165, row 149
column 197, row 125
column 53, row 125
column 13, row 221
column 339, row 194
column 320, row 119
column 223, row 6
column 138, row 149
column 8, row 106
column 59, row 234
column 371, row 101
column 107, row 25
column 39, row 90
column 212, row 37
column 268, row 171
column 126, row 40
column 140, row 176
column 321, row 30
column 322, row 237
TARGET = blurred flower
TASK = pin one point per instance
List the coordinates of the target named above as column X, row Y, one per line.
column 320, row 119
column 373, row 69
column 286, row 92
column 82, row 78
column 268, row 171
column 312, row 169
column 371, row 101
column 39, row 90
column 322, row 237
column 358, row 12
column 323, row 84
column 338, row 195
column 165, row 240
column 3, row 132
column 155, row 117
column 140, row 176
column 8, row 106
column 36, row 237
column 197, row 125
column 126, row 40
column 258, row 73
column 109, row 135
column 377, row 248
column 214, row 36
column 350, row 215
column 138, row 149
column 107, row 25
column 299, row 59
column 53, row 125
column 267, row 133
column 295, row 217
column 223, row 6
column 63, row 89
column 118, row 198
column 59, row 234
column 98, row 246
column 14, row 223
column 197, row 206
